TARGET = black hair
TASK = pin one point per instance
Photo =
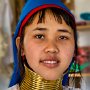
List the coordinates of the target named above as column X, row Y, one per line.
column 58, row 15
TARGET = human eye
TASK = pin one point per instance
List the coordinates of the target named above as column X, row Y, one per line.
column 39, row 36
column 63, row 38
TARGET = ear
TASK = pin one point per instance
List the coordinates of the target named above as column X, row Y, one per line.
column 17, row 42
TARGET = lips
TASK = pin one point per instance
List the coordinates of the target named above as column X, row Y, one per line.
column 50, row 62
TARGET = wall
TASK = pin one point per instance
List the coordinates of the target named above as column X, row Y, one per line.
column 84, row 38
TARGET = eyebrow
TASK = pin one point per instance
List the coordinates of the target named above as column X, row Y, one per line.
column 39, row 29
column 44, row 29
column 64, row 30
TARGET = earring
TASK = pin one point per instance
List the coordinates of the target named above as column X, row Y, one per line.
column 23, row 57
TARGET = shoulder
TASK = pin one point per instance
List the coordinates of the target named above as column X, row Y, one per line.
column 66, row 88
column 15, row 87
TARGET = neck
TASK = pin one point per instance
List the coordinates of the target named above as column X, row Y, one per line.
column 33, row 81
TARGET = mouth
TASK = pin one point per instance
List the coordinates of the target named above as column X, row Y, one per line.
column 50, row 63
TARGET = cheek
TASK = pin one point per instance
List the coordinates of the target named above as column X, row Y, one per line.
column 67, row 54
column 68, row 49
column 32, row 51
column 70, row 52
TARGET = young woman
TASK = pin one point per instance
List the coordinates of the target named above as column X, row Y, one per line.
column 44, row 46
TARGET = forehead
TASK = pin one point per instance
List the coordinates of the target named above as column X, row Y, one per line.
column 48, row 19
column 49, row 23
column 47, row 16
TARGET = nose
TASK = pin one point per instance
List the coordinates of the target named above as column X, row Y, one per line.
column 51, row 47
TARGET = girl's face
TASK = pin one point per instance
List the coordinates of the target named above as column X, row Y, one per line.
column 49, row 47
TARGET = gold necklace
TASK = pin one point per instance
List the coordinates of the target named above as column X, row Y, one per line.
column 33, row 81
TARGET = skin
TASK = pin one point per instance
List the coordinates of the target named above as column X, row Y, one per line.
column 48, row 47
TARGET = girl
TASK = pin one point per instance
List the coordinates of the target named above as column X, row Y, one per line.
column 44, row 46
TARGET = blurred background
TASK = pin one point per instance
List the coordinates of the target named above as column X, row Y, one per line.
column 9, row 16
